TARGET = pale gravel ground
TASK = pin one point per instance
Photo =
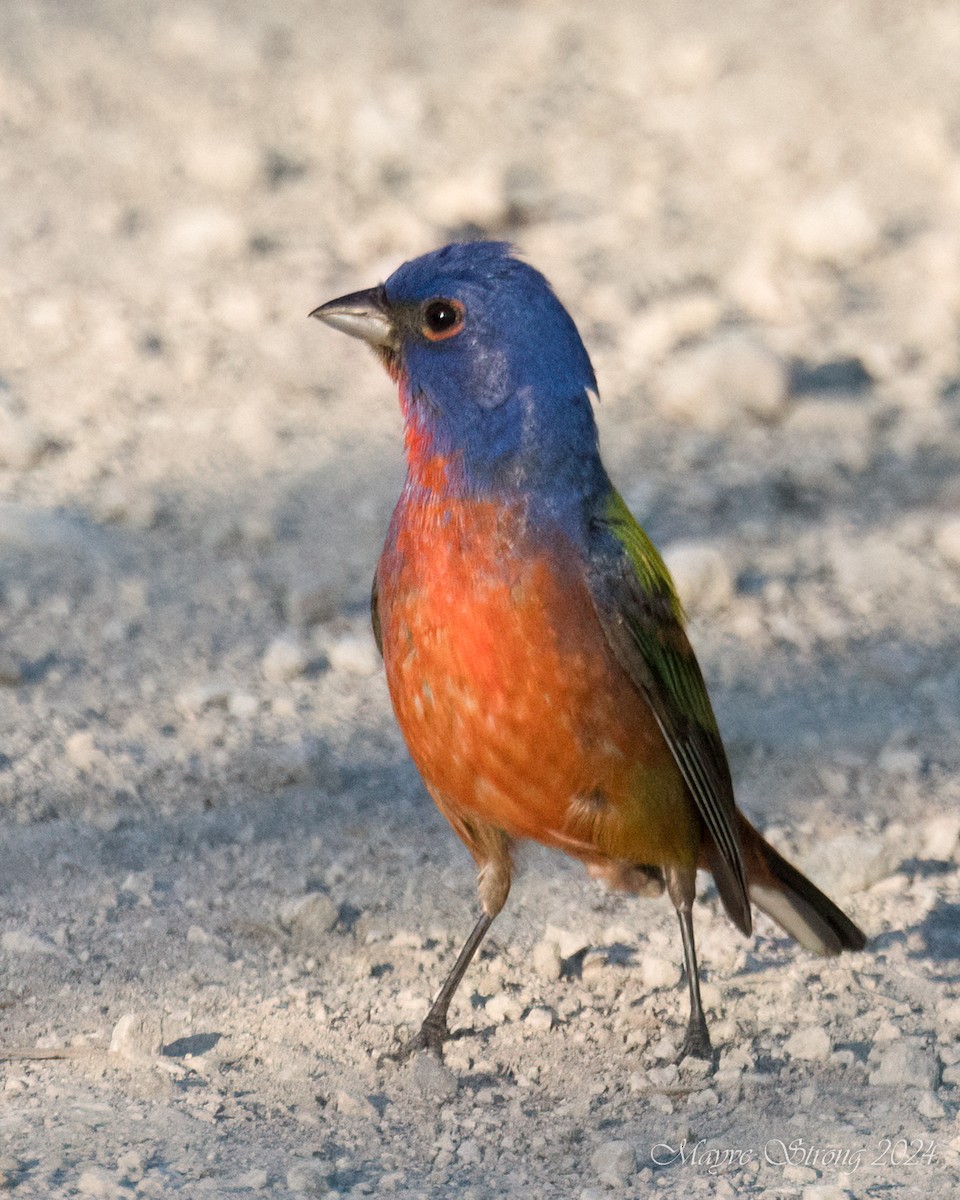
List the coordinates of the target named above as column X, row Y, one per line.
column 753, row 214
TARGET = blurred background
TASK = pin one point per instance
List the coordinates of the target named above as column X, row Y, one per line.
column 752, row 211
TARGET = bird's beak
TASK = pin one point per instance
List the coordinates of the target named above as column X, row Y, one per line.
column 365, row 315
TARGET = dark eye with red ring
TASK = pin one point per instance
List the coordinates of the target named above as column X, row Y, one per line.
column 442, row 319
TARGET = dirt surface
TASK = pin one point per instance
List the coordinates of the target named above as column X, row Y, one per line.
column 223, row 891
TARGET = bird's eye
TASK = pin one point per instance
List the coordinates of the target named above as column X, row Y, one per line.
column 442, row 319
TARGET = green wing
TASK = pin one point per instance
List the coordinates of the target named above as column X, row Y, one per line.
column 643, row 622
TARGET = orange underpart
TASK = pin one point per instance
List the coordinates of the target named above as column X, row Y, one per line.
column 512, row 705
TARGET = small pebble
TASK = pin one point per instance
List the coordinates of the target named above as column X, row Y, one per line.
column 130, row 1166
column 539, row 1019
column 614, row 1162
column 930, row 1107
column 99, row 1184
column 309, row 916
column 355, row 654
column 137, row 1036
column 308, row 1178
column 569, row 942
column 431, row 1078
column 253, row 1181
column 811, row 1044
column 907, row 1062
column 701, row 573
column 835, row 229
column 940, row 836
column 503, row 1007
column 852, row 862
column 82, row 751
column 242, row 705
column 659, row 973
column 351, row 1104
column 17, row 941
column 285, row 658
column 716, row 383
column 547, row 961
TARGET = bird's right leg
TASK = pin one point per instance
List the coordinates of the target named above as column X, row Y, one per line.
column 490, row 848
column 681, row 887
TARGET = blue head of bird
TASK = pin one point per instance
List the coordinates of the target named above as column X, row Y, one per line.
column 494, row 377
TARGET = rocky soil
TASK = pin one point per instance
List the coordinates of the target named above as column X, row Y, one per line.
column 223, row 892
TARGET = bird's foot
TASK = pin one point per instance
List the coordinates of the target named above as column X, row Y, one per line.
column 430, row 1036
column 696, row 1042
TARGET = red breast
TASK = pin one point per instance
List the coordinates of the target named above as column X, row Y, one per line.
column 512, row 706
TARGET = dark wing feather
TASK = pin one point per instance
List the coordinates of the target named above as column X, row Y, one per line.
column 375, row 614
column 643, row 622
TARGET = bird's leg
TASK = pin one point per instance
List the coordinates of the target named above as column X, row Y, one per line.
column 681, row 885
column 490, row 848
column 434, row 1030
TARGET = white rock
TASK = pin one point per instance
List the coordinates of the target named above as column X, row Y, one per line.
column 82, row 751
column 312, row 915
column 252, row 1181
column 308, row 1179
column 355, row 654
column 130, row 1166
column 906, row 1063
column 503, row 1007
column 659, row 972
column 614, row 1162
column 852, row 862
column 811, row 1043
column 825, row 1191
column 539, row 1019
column 285, row 658
column 469, row 1151
column 663, row 1077
column 940, row 836
column 947, row 540
column 100, row 1185
column 16, row 941
column 432, row 1079
column 547, row 961
column 242, row 705
column 836, row 228
column 196, row 936
column 137, row 1036
column 714, row 384
column 354, row 1104
column 701, row 573
column 930, row 1107
column 569, row 942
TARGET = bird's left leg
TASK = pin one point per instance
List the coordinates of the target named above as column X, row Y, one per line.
column 681, row 886
column 490, row 848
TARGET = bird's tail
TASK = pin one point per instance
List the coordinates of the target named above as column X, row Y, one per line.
column 783, row 893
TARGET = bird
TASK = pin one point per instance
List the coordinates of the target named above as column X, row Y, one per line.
column 534, row 644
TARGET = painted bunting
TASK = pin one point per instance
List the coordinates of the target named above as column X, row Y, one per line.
column 533, row 641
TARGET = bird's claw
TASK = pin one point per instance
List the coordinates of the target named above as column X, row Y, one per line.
column 696, row 1043
column 430, row 1036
